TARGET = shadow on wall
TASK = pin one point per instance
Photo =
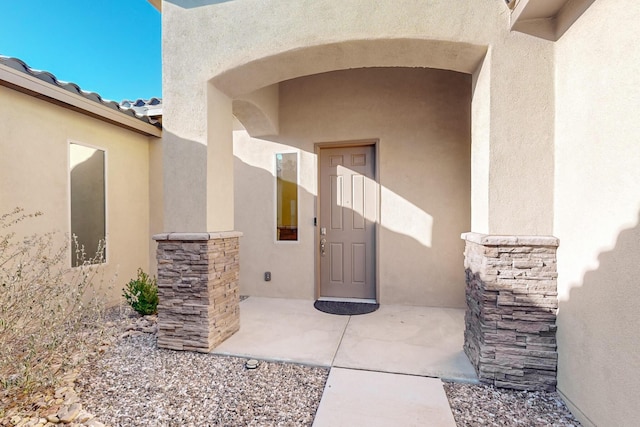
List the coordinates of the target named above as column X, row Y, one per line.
column 293, row 266
column 255, row 216
column 599, row 364
column 184, row 168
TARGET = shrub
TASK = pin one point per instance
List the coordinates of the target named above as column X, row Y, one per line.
column 142, row 294
column 49, row 312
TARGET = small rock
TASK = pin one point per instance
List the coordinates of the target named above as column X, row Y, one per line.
column 94, row 423
column 53, row 419
column 29, row 422
column 131, row 333
column 71, row 399
column 60, row 392
column 83, row 416
column 51, row 410
column 150, row 329
column 10, row 413
column 69, row 413
column 70, row 376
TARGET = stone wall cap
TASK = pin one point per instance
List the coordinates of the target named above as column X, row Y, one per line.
column 193, row 237
column 225, row 234
column 509, row 240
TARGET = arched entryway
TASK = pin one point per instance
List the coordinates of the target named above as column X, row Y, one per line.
column 250, row 68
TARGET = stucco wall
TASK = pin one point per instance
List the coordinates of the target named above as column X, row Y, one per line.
column 421, row 118
column 34, row 175
column 236, row 47
column 156, row 199
column 597, row 207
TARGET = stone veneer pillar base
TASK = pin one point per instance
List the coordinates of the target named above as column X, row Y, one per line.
column 512, row 299
column 197, row 289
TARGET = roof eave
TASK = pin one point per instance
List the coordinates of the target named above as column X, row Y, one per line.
column 157, row 4
column 35, row 87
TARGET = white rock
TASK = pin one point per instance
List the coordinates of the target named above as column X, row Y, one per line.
column 69, row 413
column 60, row 392
column 53, row 419
column 150, row 329
column 83, row 416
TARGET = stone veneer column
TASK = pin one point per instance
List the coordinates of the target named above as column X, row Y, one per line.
column 198, row 289
column 512, row 299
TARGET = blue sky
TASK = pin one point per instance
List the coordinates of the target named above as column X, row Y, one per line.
column 111, row 47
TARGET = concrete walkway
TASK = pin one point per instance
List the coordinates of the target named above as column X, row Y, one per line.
column 385, row 366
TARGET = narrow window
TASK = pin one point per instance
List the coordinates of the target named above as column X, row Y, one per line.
column 87, row 180
column 287, row 196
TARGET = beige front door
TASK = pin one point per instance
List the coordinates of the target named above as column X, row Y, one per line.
column 347, row 222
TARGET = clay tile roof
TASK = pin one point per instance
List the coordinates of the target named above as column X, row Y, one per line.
column 140, row 112
column 151, row 108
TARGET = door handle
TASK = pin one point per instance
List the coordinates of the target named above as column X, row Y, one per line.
column 323, row 243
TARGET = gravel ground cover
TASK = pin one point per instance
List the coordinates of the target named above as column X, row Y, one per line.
column 136, row 384
column 483, row 405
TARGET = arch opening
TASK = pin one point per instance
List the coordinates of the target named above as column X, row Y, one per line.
column 397, row 52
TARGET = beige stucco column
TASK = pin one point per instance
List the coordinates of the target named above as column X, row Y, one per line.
column 198, row 256
column 198, row 160
column 512, row 148
column 219, row 193
column 184, row 157
column 198, row 253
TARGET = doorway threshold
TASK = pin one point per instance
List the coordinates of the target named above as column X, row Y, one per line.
column 360, row 300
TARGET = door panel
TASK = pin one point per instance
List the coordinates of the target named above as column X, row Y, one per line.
column 348, row 216
column 336, row 202
column 359, row 262
column 357, row 215
column 337, row 263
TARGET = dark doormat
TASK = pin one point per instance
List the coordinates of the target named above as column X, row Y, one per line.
column 345, row 308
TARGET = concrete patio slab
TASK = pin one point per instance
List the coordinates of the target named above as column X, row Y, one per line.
column 421, row 341
column 285, row 330
column 365, row 398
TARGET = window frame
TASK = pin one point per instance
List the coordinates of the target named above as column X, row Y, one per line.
column 71, row 251
column 275, row 196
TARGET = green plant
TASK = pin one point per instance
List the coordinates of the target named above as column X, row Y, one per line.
column 142, row 293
